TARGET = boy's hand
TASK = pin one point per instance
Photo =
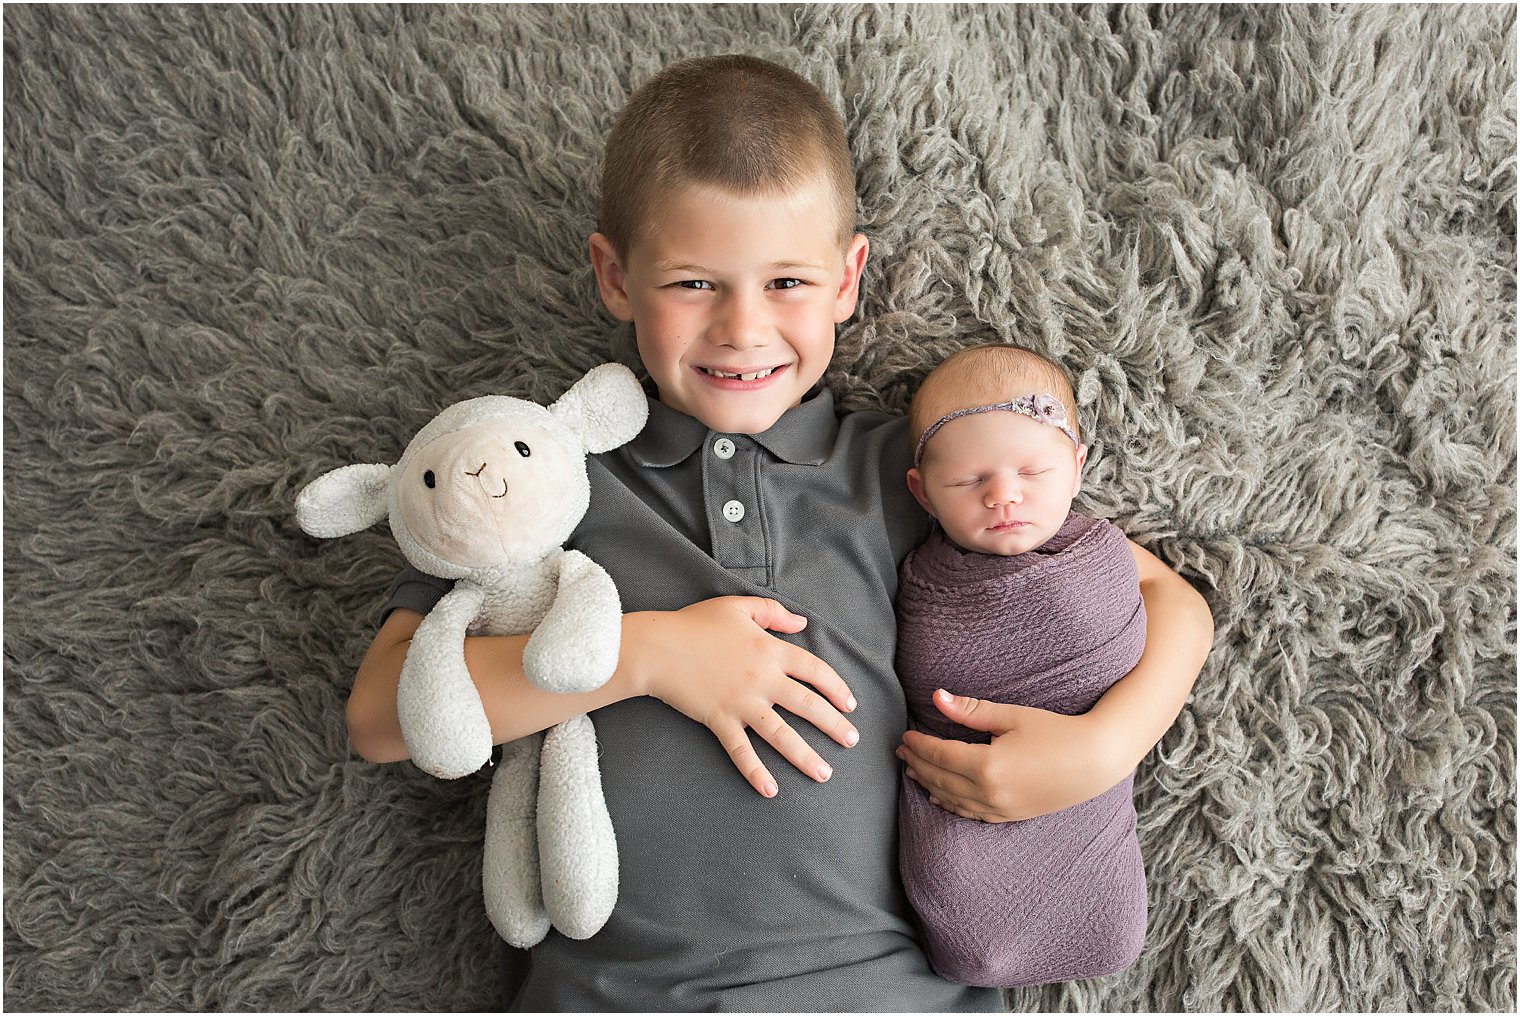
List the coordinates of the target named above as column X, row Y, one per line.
column 1038, row 761
column 716, row 662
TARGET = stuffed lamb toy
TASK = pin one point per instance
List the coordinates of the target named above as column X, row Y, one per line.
column 486, row 494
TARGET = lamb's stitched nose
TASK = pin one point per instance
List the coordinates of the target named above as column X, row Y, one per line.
column 477, row 474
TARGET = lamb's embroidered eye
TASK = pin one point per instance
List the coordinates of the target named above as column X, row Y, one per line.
column 522, row 449
column 429, row 479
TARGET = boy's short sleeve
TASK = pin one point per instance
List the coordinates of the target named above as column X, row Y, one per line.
column 414, row 590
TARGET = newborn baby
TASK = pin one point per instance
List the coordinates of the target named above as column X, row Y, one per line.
column 1015, row 598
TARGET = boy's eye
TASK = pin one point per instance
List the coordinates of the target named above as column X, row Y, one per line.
column 698, row 284
column 785, row 283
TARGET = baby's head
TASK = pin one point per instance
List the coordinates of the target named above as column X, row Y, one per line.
column 998, row 455
column 728, row 236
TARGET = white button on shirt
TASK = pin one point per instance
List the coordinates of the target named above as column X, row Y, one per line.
column 723, row 448
column 733, row 511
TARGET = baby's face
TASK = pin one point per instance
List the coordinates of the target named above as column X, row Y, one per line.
column 998, row 482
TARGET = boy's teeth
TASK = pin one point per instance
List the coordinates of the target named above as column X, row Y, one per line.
column 742, row 377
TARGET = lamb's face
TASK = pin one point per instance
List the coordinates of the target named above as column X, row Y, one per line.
column 492, row 493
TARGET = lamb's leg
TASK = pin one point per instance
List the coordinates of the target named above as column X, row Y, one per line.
column 514, row 900
column 577, row 848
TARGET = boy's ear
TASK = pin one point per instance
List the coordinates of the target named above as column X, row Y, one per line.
column 611, row 280
column 849, row 287
column 916, row 485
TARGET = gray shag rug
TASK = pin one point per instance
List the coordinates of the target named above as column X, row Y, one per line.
column 1276, row 247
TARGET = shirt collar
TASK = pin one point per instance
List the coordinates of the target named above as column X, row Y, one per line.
column 804, row 435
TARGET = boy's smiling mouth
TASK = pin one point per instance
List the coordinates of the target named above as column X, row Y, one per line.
column 759, row 374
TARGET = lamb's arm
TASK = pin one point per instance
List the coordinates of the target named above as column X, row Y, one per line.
column 575, row 647
column 512, row 704
column 442, row 719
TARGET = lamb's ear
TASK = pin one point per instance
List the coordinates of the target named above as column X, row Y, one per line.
column 344, row 501
column 606, row 408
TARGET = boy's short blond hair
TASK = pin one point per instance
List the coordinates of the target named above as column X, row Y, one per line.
column 734, row 122
column 984, row 375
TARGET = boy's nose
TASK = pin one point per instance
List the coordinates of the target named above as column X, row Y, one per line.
column 742, row 323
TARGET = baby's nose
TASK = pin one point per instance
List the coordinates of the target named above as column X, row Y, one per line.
column 1004, row 495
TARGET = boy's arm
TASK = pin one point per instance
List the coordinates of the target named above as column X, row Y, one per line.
column 1142, row 706
column 1038, row 761
column 715, row 661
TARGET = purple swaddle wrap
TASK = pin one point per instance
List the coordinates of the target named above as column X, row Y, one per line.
column 1062, row 896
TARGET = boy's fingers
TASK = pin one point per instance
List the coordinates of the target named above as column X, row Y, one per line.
column 937, row 780
column 804, row 666
column 955, row 756
column 735, row 741
column 978, row 714
column 967, row 807
column 961, row 808
column 802, row 701
column 770, row 614
column 779, row 735
column 816, row 710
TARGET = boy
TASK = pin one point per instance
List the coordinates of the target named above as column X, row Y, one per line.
column 728, row 212
column 1020, row 599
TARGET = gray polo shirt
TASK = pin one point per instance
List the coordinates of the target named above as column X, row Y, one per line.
column 728, row 900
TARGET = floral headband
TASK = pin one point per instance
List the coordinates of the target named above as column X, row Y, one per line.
column 1041, row 407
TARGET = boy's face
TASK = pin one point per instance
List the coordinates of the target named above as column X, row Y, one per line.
column 998, row 482
column 734, row 299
